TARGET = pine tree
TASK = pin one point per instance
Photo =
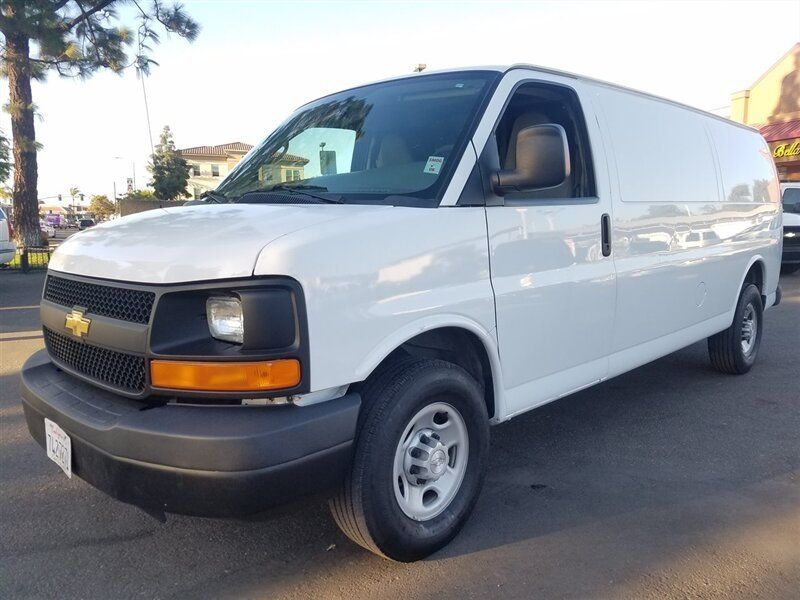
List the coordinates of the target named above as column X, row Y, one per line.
column 169, row 169
column 74, row 38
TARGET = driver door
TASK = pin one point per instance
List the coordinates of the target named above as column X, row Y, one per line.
column 551, row 268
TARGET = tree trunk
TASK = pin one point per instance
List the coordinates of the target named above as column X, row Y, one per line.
column 23, row 133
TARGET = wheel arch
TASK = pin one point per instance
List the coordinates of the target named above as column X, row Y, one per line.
column 460, row 341
column 756, row 273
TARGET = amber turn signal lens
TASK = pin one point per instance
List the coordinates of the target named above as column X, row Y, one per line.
column 225, row 376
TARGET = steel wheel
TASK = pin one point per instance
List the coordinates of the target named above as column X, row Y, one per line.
column 430, row 461
column 749, row 329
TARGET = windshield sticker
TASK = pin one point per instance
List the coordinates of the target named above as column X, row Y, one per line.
column 434, row 165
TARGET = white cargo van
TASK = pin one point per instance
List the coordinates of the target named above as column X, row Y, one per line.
column 790, row 197
column 393, row 269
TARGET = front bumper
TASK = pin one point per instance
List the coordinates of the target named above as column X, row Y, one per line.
column 190, row 459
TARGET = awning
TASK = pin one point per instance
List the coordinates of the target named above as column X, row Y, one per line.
column 774, row 132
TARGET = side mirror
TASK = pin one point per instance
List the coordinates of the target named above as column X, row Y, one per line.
column 542, row 161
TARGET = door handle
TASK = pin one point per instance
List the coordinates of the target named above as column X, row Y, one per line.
column 605, row 234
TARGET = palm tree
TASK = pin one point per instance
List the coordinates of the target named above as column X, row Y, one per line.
column 73, row 191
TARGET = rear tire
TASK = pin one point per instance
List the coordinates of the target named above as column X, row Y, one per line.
column 418, row 461
column 734, row 350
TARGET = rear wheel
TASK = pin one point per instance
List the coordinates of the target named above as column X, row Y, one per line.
column 734, row 350
column 418, row 460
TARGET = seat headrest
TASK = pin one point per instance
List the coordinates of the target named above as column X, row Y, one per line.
column 526, row 119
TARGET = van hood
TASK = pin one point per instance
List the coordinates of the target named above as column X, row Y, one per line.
column 192, row 243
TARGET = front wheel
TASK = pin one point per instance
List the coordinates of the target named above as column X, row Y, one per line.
column 418, row 461
column 734, row 350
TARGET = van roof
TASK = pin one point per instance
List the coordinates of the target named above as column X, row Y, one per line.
column 629, row 90
column 539, row 69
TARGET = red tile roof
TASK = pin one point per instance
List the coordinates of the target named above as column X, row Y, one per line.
column 219, row 150
column 774, row 132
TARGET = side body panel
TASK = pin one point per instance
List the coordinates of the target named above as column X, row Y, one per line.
column 378, row 278
column 695, row 205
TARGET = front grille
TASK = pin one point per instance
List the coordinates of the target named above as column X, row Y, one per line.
column 793, row 241
column 109, row 301
column 119, row 370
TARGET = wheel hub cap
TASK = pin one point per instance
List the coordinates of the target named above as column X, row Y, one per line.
column 749, row 329
column 430, row 461
column 426, row 458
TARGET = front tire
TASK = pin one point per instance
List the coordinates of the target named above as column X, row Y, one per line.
column 418, row 460
column 734, row 350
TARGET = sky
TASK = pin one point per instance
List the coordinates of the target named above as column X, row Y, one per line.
column 254, row 62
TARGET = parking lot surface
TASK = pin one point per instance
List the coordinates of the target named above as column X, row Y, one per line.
column 669, row 481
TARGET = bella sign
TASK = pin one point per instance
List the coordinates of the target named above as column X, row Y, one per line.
column 787, row 150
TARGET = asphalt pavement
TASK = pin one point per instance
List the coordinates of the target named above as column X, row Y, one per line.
column 669, row 481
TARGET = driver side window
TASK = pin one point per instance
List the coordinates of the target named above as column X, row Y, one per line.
column 540, row 104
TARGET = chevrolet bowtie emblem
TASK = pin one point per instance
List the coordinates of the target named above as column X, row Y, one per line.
column 77, row 323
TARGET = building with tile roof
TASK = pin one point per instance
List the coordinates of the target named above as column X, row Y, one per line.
column 210, row 164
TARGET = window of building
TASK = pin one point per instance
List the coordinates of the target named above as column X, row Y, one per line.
column 215, row 170
column 293, row 175
column 540, row 104
column 195, row 170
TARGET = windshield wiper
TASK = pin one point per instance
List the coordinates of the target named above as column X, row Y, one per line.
column 303, row 190
column 215, row 197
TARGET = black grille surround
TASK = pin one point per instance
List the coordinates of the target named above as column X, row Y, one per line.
column 793, row 241
column 122, row 371
column 122, row 364
column 121, row 303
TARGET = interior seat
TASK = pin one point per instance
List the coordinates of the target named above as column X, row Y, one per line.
column 393, row 152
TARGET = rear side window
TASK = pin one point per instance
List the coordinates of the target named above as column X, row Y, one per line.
column 2, row 215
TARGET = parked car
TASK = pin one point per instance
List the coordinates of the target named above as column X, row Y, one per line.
column 7, row 247
column 85, row 224
column 791, row 227
column 55, row 220
column 47, row 230
column 394, row 269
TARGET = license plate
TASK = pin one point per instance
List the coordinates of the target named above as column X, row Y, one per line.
column 59, row 446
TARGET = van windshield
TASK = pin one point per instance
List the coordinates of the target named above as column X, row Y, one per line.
column 388, row 143
column 791, row 199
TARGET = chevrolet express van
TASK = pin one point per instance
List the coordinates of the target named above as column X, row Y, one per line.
column 392, row 270
column 790, row 197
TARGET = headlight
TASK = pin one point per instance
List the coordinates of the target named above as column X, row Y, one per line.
column 225, row 319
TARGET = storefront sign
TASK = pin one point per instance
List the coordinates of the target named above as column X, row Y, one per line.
column 786, row 150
